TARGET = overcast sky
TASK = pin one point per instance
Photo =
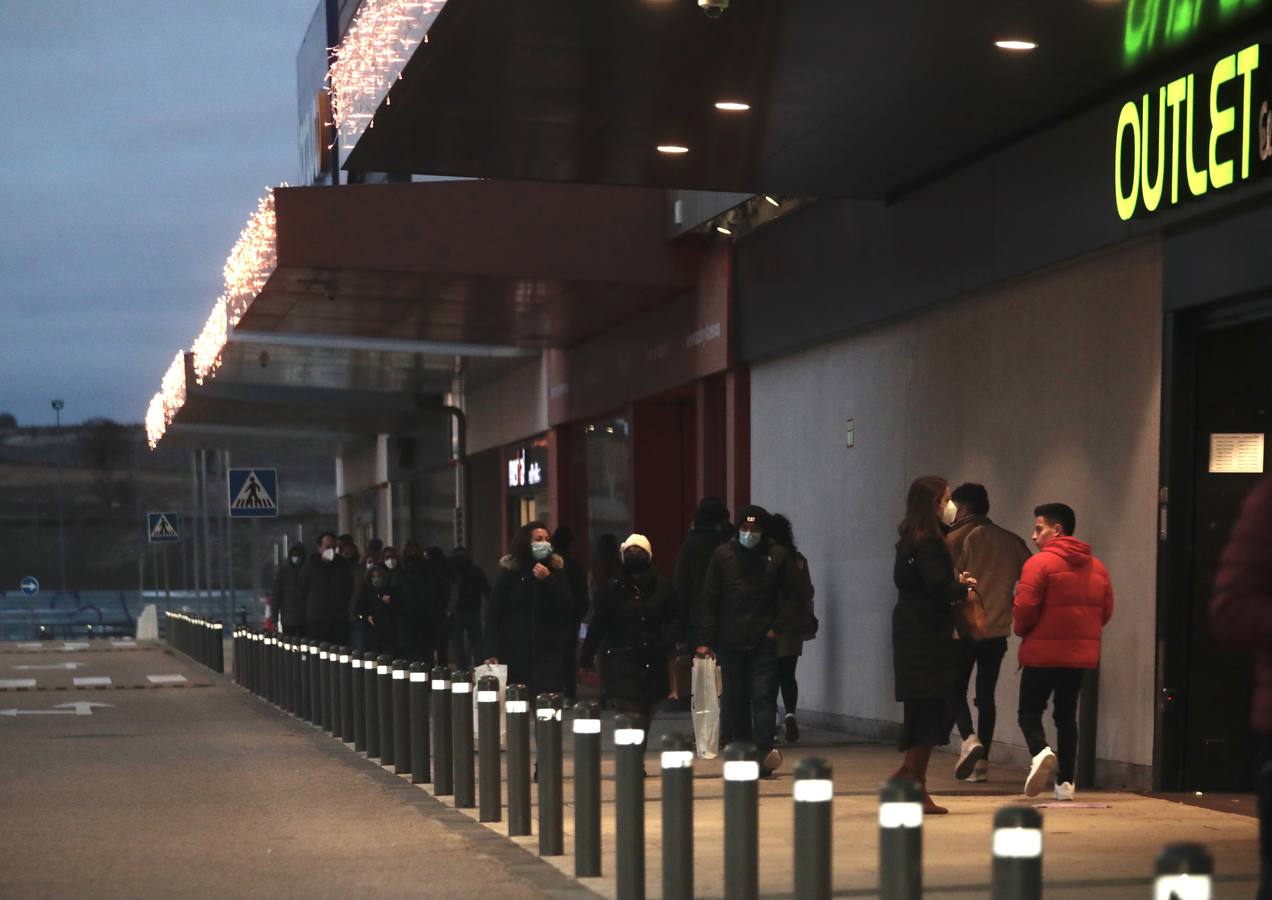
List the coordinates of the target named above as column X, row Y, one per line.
column 137, row 137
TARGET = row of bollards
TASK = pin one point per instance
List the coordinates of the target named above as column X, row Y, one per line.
column 420, row 723
column 199, row 639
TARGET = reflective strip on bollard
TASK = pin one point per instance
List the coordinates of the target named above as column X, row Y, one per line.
column 741, row 770
column 631, row 737
column 439, row 684
column 1182, row 887
column 417, row 677
column 677, row 759
column 399, row 674
column 588, row 726
column 547, row 714
column 900, row 815
column 461, row 687
column 517, row 706
column 1018, row 843
column 814, row 790
column 487, row 696
column 344, row 658
column 382, row 670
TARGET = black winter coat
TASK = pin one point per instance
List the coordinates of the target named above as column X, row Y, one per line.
column 381, row 609
column 691, row 567
column 528, row 623
column 328, row 587
column 422, row 613
column 923, row 621
column 288, row 598
column 746, row 594
column 634, row 625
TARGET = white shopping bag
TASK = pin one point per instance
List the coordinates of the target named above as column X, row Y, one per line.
column 706, row 684
column 500, row 672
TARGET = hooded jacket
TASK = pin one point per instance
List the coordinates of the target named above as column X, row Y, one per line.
column 634, row 623
column 288, row 597
column 328, row 588
column 1063, row 601
column 1241, row 610
column 529, row 623
column 995, row 557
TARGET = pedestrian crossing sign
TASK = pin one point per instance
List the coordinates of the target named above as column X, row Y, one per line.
column 163, row 527
column 253, row 493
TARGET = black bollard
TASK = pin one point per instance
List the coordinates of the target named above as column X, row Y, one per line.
column 249, row 670
column 276, row 672
column 358, row 682
column 814, row 793
column 384, row 692
column 1184, row 871
column 440, row 713
column 677, row 816
column 346, row 695
column 315, row 684
column 490, row 793
column 371, row 703
column 324, row 686
column 293, row 666
column 629, row 806
column 900, row 841
column 333, row 688
column 1017, row 854
column 517, row 710
column 587, row 790
column 462, row 738
column 267, row 668
column 238, row 666
column 741, row 821
column 547, row 714
column 401, row 719
column 420, row 762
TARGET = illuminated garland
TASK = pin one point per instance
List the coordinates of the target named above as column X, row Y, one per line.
column 170, row 398
column 371, row 56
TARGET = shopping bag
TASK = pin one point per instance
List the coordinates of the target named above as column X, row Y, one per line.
column 500, row 672
column 706, row 706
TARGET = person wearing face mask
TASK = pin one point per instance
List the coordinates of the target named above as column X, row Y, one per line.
column 378, row 605
column 529, row 610
column 929, row 592
column 749, row 600
column 286, row 597
column 996, row 555
column 634, row 626
column 326, row 581
column 355, row 622
column 1063, row 601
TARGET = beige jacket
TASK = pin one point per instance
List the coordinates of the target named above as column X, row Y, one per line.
column 994, row 556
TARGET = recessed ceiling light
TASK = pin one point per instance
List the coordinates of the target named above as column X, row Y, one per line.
column 672, row 149
column 770, row 199
column 732, row 106
column 1016, row 45
column 724, row 229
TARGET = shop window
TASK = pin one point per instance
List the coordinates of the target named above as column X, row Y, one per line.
column 609, row 467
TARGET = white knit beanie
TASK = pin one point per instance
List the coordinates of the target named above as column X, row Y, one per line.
column 638, row 540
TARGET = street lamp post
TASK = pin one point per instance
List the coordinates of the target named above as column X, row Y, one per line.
column 61, row 513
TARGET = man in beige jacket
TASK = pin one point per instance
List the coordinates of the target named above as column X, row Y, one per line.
column 996, row 555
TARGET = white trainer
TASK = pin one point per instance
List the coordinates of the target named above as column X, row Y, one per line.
column 1040, row 771
column 971, row 753
column 980, row 773
column 1064, row 790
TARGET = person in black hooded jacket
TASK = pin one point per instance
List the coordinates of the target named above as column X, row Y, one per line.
column 634, row 623
column 709, row 530
column 288, row 598
column 529, row 613
column 750, row 598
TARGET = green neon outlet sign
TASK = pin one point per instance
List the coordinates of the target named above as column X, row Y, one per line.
column 1157, row 25
column 1192, row 136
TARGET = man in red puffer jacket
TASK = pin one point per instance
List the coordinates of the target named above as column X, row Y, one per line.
column 1063, row 600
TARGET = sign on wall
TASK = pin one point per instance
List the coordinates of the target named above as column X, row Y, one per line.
column 1236, row 454
column 527, row 468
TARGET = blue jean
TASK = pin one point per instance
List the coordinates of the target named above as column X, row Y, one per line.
column 749, row 701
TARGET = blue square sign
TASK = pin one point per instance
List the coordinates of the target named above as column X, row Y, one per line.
column 163, row 527
column 253, row 493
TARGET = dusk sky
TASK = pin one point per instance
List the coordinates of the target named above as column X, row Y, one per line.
column 137, row 138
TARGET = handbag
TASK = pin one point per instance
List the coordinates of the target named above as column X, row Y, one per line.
column 970, row 620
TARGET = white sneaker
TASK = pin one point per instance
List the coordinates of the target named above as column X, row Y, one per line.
column 1040, row 771
column 980, row 773
column 972, row 752
column 1064, row 790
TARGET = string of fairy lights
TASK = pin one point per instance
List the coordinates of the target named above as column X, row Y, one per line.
column 369, row 60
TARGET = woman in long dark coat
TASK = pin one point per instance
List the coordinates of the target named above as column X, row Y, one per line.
column 633, row 623
column 528, row 620
column 929, row 590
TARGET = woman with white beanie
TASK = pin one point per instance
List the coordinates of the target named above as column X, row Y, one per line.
column 634, row 626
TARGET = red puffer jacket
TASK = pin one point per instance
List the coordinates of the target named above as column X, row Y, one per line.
column 1063, row 600
column 1241, row 610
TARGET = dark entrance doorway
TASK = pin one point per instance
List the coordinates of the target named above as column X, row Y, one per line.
column 1221, row 385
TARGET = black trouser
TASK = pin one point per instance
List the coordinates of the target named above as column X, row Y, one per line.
column 465, row 638
column 570, row 663
column 786, row 681
column 749, row 703
column 987, row 658
column 1062, row 686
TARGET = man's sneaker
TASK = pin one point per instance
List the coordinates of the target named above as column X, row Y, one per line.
column 772, row 760
column 792, row 729
column 1040, row 771
column 980, row 773
column 1064, row 790
column 973, row 751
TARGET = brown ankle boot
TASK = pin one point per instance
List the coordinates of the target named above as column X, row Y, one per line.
column 929, row 805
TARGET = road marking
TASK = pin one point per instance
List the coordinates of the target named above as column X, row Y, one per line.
column 166, row 679
column 75, row 645
column 30, row 645
column 78, row 708
column 92, row 680
column 72, row 666
column 11, row 683
column 124, row 645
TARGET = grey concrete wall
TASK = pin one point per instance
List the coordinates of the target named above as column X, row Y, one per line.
column 510, row 408
column 1046, row 388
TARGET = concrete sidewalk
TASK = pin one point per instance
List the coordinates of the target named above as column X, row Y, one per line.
column 1103, row 845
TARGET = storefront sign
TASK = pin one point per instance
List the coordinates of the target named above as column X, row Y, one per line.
column 527, row 468
column 1211, row 132
column 1236, row 454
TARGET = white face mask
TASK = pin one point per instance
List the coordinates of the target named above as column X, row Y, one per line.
column 329, row 554
column 390, row 564
column 949, row 512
